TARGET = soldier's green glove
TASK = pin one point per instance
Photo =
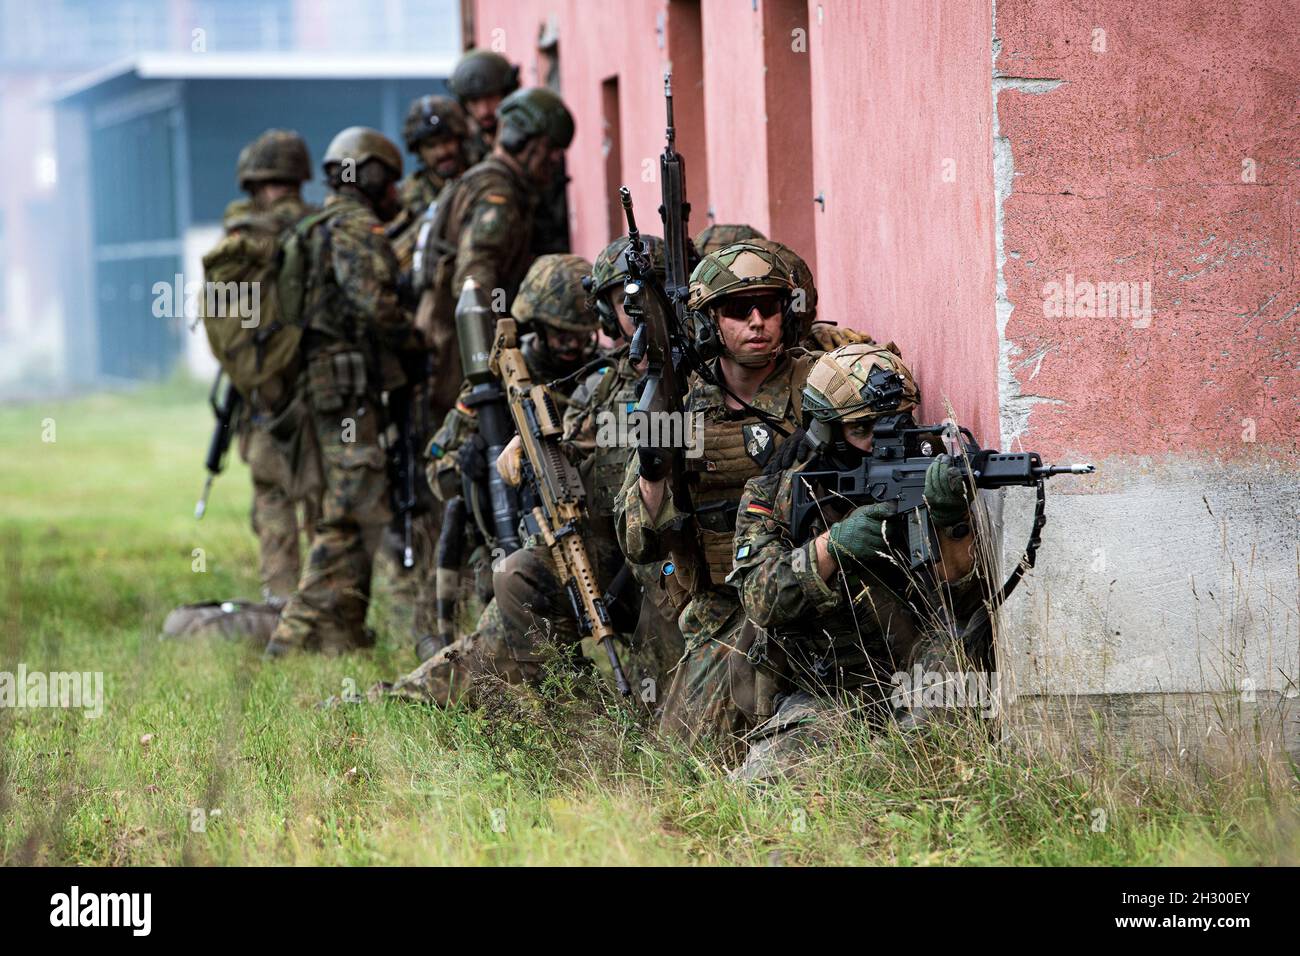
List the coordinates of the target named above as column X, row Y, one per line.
column 945, row 492
column 862, row 533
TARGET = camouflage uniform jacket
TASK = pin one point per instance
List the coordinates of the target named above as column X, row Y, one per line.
column 488, row 226
column 594, row 404
column 417, row 190
column 736, row 446
column 352, row 283
column 824, row 638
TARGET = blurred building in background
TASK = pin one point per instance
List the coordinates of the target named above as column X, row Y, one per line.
column 121, row 121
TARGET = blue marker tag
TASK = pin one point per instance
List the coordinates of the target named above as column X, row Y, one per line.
column 669, row 568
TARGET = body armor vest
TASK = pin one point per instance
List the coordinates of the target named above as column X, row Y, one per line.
column 609, row 462
column 737, row 444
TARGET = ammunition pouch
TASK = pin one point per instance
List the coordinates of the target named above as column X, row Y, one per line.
column 757, row 672
column 334, row 377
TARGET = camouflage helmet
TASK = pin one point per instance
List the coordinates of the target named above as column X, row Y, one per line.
column 741, row 267
column 859, row 381
column 362, row 144
column 278, row 155
column 611, row 262
column 553, row 294
column 722, row 234
column 482, row 73
column 806, row 306
column 433, row 116
column 536, row 111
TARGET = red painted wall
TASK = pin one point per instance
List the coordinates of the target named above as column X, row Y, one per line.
column 1135, row 169
column 1130, row 170
column 905, row 251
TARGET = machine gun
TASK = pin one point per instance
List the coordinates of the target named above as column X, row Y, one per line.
column 222, row 432
column 560, row 518
column 894, row 471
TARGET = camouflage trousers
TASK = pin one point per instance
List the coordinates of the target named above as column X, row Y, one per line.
column 327, row 612
column 449, row 676
column 275, row 514
column 807, row 719
column 700, row 705
column 527, row 620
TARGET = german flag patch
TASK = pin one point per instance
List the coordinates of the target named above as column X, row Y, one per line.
column 760, row 508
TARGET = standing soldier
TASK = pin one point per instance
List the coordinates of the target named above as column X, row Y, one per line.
column 482, row 226
column 437, row 134
column 750, row 400
column 481, row 79
column 272, row 169
column 353, row 328
column 838, row 614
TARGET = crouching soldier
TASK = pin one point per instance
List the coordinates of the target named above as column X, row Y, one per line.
column 834, row 611
column 747, row 401
column 554, row 303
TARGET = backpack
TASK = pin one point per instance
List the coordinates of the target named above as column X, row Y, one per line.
column 265, row 277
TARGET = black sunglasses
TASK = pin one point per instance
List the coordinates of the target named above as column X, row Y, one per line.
column 739, row 307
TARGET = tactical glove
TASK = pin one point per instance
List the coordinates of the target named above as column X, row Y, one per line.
column 945, row 492
column 862, row 533
column 510, row 464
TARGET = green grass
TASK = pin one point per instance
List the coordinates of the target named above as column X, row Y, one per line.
column 97, row 540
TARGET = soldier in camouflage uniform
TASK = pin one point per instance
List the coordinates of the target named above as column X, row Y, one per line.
column 742, row 295
column 483, row 224
column 272, row 169
column 554, row 302
column 722, row 234
column 354, row 329
column 437, row 133
column 480, row 80
column 656, row 643
column 835, row 614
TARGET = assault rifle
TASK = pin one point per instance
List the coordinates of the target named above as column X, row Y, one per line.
column 560, row 518
column 659, row 312
column 222, row 432
column 407, row 411
column 894, row 471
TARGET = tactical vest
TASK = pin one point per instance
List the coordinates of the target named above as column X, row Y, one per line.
column 617, row 387
column 737, row 444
